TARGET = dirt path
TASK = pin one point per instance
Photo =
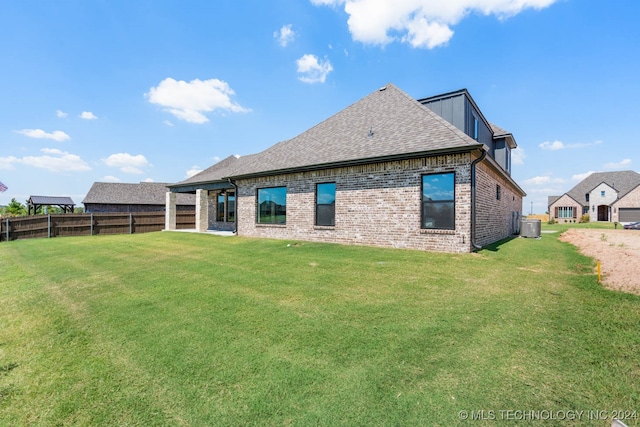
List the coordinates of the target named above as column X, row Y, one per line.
column 618, row 252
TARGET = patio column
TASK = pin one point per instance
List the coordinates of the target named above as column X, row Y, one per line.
column 170, row 211
column 202, row 210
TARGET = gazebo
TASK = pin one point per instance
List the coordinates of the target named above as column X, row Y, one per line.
column 65, row 203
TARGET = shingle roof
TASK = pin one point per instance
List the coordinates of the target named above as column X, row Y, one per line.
column 386, row 123
column 623, row 182
column 51, row 200
column 228, row 167
column 144, row 193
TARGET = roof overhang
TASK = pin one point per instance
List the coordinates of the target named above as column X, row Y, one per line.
column 193, row 186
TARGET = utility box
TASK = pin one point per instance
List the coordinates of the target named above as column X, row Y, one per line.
column 530, row 228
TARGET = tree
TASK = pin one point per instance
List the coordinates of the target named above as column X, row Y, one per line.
column 15, row 208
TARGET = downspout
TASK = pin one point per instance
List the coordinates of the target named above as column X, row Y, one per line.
column 235, row 187
column 473, row 199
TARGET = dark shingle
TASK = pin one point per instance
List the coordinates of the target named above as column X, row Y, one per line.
column 386, row 123
column 144, row 193
column 51, row 200
column 622, row 182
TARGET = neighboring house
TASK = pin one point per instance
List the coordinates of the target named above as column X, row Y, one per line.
column 388, row 170
column 122, row 197
column 35, row 202
column 604, row 196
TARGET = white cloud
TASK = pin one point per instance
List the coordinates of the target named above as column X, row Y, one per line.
column 167, row 123
column 127, row 163
column 420, row 23
column 149, row 180
column 56, row 160
column 581, row 176
column 313, row 70
column 623, row 164
column 188, row 101
column 540, row 180
column 194, row 171
column 559, row 145
column 110, row 178
column 6, row 163
column 518, row 156
column 56, row 135
column 61, row 114
column 553, row 146
column 88, row 115
column 284, row 35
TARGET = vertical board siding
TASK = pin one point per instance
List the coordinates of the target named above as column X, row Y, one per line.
column 43, row 226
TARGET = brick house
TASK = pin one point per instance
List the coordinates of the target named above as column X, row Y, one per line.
column 389, row 170
column 119, row 197
column 604, row 196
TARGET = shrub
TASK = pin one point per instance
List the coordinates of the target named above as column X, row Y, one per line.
column 585, row 218
column 552, row 220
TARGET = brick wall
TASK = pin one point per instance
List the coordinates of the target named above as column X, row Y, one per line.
column 496, row 218
column 377, row 204
column 566, row 201
column 630, row 200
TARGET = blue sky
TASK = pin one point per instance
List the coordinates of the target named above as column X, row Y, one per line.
column 128, row 91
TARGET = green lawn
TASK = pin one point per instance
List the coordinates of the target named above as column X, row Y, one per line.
column 198, row 330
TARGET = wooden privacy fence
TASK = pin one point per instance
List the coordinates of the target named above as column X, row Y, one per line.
column 89, row 224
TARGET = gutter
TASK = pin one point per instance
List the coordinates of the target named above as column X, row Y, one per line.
column 473, row 199
column 235, row 187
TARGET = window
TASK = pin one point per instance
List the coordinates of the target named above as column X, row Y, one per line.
column 475, row 128
column 220, row 213
column 438, row 201
column 226, row 207
column 602, row 193
column 231, row 208
column 498, row 192
column 326, row 204
column 565, row 212
column 272, row 205
column 586, row 196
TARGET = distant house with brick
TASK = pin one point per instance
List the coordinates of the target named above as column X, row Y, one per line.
column 604, row 196
column 389, row 170
column 123, row 197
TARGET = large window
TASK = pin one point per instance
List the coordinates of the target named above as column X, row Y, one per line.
column 565, row 212
column 326, row 204
column 438, row 201
column 272, row 205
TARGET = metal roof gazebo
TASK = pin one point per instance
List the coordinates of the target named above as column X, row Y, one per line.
column 65, row 203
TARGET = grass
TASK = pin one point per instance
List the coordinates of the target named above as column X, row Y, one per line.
column 187, row 329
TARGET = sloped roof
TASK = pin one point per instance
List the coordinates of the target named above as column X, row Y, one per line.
column 51, row 200
column 622, row 182
column 143, row 193
column 225, row 168
column 386, row 124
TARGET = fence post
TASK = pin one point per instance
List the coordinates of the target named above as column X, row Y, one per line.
column 91, row 226
column 130, row 223
column 48, row 226
column 7, row 229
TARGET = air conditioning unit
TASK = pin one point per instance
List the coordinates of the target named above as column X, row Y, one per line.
column 530, row 228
